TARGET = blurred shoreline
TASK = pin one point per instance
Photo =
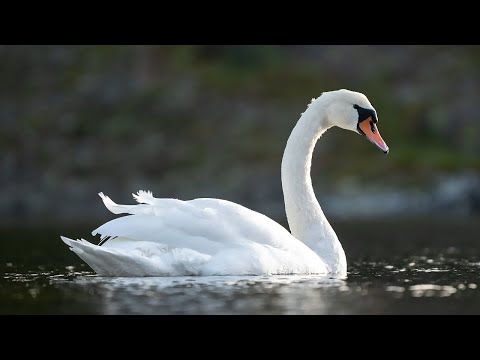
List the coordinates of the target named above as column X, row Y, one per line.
column 212, row 121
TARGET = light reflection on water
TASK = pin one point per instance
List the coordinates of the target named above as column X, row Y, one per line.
column 418, row 284
column 414, row 266
column 212, row 295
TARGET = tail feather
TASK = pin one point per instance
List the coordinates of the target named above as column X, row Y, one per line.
column 112, row 262
column 126, row 209
column 79, row 248
column 112, row 206
column 144, row 197
column 109, row 261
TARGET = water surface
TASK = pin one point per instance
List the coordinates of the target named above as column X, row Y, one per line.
column 395, row 267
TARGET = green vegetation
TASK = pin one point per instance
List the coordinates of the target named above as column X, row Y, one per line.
column 207, row 113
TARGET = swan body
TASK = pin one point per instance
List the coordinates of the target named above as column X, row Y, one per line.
column 196, row 237
column 171, row 237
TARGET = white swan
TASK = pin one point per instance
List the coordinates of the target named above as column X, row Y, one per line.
column 170, row 237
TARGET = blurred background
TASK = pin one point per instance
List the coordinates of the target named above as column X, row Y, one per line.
column 212, row 121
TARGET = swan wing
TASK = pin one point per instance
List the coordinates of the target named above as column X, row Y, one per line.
column 204, row 224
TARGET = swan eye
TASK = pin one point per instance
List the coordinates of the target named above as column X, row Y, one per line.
column 364, row 114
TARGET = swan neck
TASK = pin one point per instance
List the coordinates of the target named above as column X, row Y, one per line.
column 305, row 217
column 301, row 204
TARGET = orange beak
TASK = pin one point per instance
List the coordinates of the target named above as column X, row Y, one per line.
column 369, row 129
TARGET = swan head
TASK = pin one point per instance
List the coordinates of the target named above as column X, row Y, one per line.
column 352, row 110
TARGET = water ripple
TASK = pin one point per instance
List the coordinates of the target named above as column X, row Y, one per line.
column 417, row 284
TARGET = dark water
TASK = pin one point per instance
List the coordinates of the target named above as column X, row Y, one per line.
column 415, row 266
